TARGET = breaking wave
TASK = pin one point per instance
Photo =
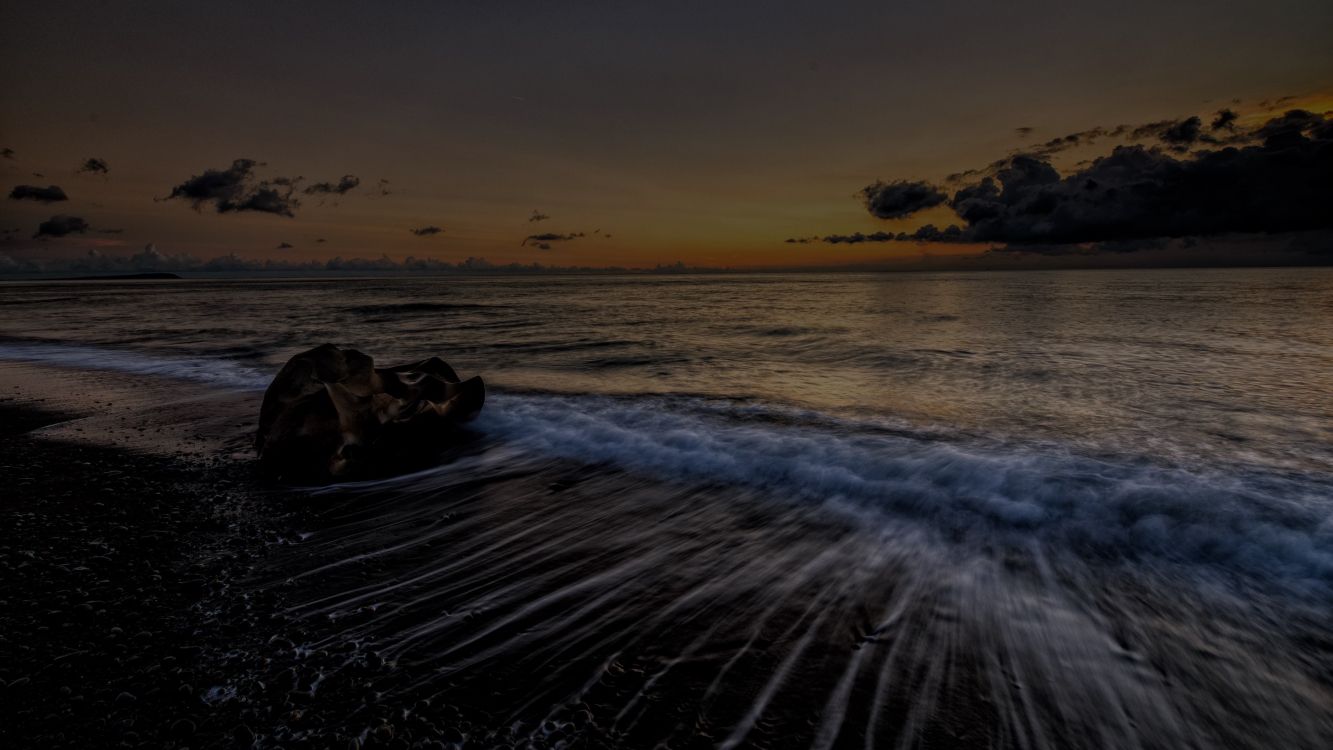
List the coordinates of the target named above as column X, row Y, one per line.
column 1261, row 525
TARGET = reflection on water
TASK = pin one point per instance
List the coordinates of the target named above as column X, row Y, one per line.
column 1233, row 364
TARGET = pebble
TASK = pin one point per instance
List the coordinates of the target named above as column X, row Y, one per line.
column 182, row 728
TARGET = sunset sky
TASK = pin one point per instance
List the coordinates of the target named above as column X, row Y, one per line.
column 706, row 133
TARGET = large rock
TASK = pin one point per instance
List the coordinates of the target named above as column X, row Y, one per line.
column 331, row 413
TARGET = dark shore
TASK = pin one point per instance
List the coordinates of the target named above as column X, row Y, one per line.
column 158, row 593
column 125, row 620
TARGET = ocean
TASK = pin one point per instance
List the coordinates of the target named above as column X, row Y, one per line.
column 1021, row 509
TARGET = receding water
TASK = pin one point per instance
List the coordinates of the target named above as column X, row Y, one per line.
column 1036, row 509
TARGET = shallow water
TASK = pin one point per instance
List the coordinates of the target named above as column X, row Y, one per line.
column 1042, row 509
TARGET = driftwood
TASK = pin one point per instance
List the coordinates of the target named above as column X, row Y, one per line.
column 331, row 413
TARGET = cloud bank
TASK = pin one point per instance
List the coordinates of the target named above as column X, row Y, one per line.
column 1273, row 178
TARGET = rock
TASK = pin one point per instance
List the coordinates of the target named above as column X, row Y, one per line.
column 331, row 413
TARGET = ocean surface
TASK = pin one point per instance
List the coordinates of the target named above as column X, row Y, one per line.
column 1024, row 509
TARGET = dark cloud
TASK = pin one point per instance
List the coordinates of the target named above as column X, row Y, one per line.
column 285, row 246
column 93, row 164
column 543, row 246
column 48, row 194
column 857, row 238
column 893, row 200
column 1062, row 143
column 927, row 233
column 8, row 153
column 237, row 189
column 1225, row 119
column 1178, row 134
column 1279, row 184
column 1024, row 131
column 341, row 187
column 320, row 241
column 538, row 216
column 548, row 237
column 381, row 189
column 61, row 225
column 426, row 231
column 152, row 259
column 1266, row 180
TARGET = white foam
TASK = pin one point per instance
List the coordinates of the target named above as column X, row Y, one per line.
column 1268, row 525
column 221, row 373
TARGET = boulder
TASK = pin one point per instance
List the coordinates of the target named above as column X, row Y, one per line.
column 331, row 413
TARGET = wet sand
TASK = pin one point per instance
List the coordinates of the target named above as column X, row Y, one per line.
column 159, row 595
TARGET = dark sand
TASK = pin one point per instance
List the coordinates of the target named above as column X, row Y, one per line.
column 131, row 514
column 158, row 594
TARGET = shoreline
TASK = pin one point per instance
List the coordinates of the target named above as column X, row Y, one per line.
column 164, row 597
column 128, row 550
column 110, row 576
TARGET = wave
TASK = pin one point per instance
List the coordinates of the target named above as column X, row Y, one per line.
column 1265, row 525
column 418, row 307
column 219, row 372
column 1260, row 525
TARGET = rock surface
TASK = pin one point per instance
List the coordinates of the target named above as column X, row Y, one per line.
column 331, row 413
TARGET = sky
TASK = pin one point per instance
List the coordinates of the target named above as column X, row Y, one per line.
column 633, row 134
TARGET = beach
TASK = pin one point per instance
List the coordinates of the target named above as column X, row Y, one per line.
column 638, row 567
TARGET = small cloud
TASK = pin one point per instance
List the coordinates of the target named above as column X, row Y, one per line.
column 1225, row 119
column 93, row 164
column 320, row 241
column 8, row 153
column 1177, row 134
column 543, row 246
column 549, row 237
column 1024, row 131
column 236, row 189
column 538, row 216
column 285, row 246
column 381, row 188
column 48, row 194
column 894, row 200
column 61, row 225
column 426, row 231
column 341, row 187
